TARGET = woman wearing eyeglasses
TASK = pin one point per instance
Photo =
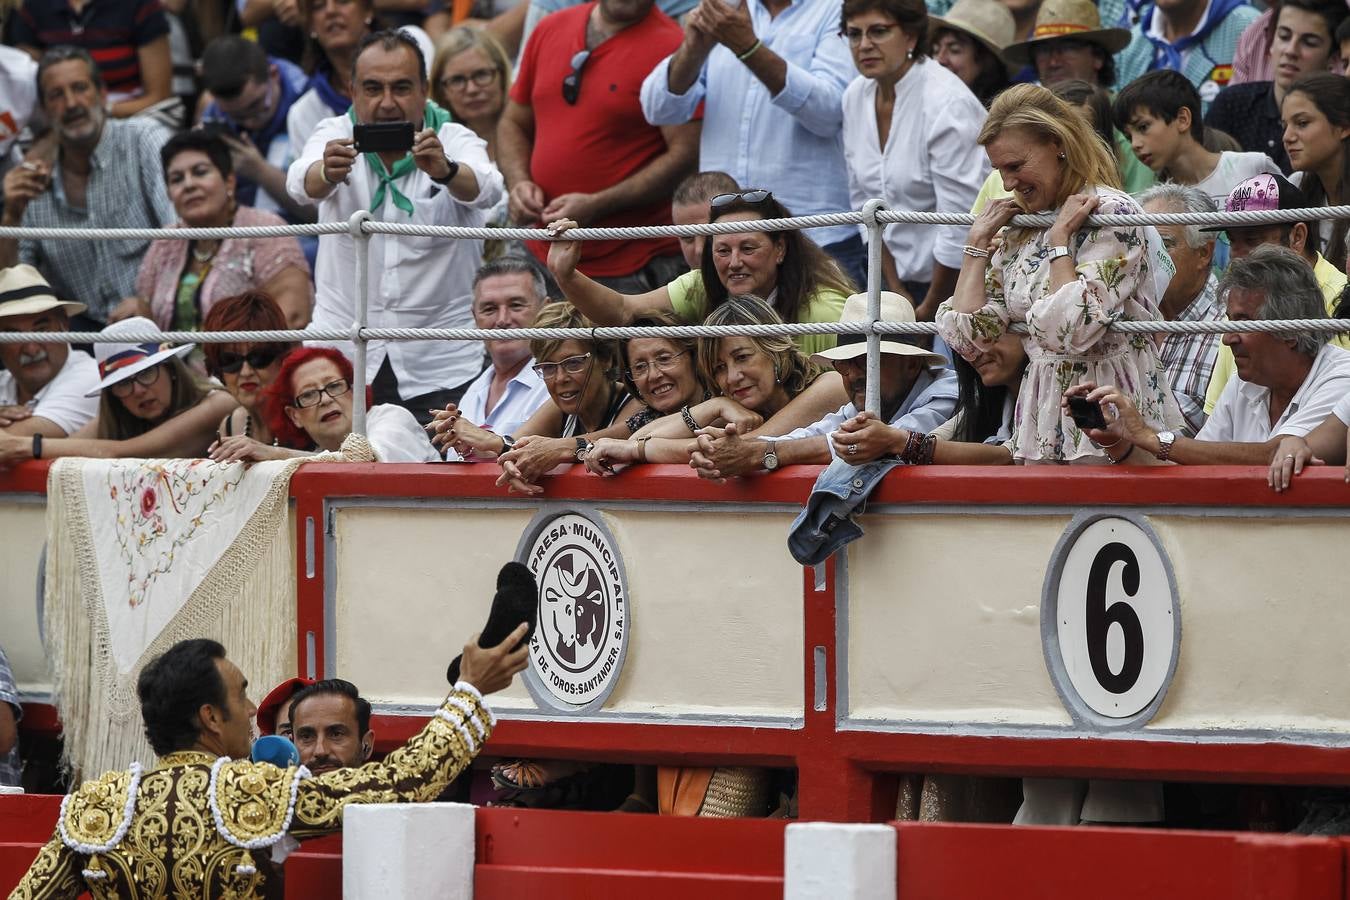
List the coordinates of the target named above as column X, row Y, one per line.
column 179, row 281
column 150, row 406
column 800, row 281
column 909, row 138
column 470, row 77
column 309, row 405
column 246, row 369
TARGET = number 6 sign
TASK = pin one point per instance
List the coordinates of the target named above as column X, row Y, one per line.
column 1110, row 621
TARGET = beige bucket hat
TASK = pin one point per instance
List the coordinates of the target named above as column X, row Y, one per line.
column 1076, row 19
column 986, row 21
column 24, row 292
column 894, row 308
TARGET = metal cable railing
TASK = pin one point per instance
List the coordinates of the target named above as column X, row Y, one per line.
column 873, row 217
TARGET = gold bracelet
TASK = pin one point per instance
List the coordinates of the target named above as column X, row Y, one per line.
column 642, row 448
column 976, row 252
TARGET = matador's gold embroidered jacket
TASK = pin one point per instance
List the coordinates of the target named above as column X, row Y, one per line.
column 200, row 827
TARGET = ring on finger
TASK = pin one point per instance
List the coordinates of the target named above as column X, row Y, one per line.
column 851, row 449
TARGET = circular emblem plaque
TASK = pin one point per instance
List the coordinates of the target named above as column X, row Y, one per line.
column 1110, row 622
column 578, row 648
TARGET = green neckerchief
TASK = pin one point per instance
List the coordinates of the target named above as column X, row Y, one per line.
column 434, row 118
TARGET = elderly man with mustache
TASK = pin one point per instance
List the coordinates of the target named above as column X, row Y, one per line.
column 43, row 387
column 105, row 174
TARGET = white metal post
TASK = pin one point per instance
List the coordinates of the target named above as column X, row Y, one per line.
column 874, row 245
column 361, row 242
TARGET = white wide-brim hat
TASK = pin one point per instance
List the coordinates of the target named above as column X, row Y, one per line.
column 118, row 362
column 894, row 308
column 24, row 292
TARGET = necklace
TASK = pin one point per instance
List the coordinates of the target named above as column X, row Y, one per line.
column 201, row 257
column 248, row 429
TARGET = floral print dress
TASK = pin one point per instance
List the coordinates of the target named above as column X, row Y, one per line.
column 1122, row 273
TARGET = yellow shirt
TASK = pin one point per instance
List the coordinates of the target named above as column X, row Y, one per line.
column 689, row 299
column 1331, row 280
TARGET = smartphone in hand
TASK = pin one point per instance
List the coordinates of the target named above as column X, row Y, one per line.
column 384, row 137
column 1085, row 413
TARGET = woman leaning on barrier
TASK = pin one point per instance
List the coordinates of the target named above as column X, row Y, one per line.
column 180, row 281
column 151, row 406
column 246, row 369
column 765, row 385
column 1067, row 283
column 805, row 283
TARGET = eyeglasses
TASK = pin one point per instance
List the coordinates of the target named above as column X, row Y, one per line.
column 662, row 362
column 256, row 359
column 573, row 365
column 572, row 83
column 755, row 196
column 480, row 77
column 875, row 34
column 145, row 378
column 314, row 396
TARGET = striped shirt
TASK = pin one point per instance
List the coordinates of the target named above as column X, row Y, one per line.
column 111, row 30
column 10, row 770
column 1189, row 358
column 125, row 190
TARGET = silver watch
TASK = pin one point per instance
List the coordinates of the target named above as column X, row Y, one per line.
column 1056, row 252
column 1165, row 440
column 770, row 461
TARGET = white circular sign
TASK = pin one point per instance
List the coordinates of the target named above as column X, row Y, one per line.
column 1115, row 618
column 578, row 646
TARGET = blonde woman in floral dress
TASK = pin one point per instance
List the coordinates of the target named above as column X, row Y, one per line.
column 1067, row 283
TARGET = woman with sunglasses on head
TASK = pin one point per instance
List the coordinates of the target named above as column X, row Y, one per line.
column 246, row 369
column 151, row 406
column 180, row 281
column 309, row 405
column 801, row 281
column 765, row 386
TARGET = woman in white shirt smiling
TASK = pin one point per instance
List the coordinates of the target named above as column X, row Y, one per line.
column 910, row 129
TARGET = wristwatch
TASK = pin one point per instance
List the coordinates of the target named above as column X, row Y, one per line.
column 507, row 442
column 770, row 461
column 454, row 170
column 583, row 446
column 1165, row 439
column 1056, row 252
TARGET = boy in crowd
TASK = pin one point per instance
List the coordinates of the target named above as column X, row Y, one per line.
column 1160, row 114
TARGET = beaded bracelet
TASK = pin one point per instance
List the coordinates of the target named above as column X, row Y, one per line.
column 688, row 417
column 976, row 252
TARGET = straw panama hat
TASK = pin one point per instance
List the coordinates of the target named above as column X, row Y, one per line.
column 987, row 21
column 894, row 308
column 24, row 292
column 1076, row 19
column 118, row 362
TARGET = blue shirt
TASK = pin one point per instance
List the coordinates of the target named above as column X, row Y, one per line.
column 930, row 402
column 792, row 143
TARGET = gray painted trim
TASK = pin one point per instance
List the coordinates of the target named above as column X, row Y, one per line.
column 543, row 697
column 1330, row 740
column 330, row 588
column 337, row 502
column 621, row 718
column 1088, row 719
column 1199, row 512
column 841, row 634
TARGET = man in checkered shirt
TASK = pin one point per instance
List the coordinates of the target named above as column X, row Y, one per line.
column 10, row 713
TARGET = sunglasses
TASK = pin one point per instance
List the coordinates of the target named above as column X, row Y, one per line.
column 573, row 365
column 755, row 196
column 230, row 363
column 571, row 86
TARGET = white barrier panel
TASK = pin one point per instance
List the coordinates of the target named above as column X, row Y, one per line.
column 23, row 532
column 393, row 850
column 825, row 861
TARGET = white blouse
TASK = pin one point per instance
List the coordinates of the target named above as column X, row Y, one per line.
column 395, row 436
column 931, row 162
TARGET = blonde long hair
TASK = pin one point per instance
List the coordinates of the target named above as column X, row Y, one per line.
column 1087, row 161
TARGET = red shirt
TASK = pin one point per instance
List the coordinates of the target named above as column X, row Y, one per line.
column 604, row 138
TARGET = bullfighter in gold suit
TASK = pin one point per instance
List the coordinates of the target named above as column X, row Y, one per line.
column 204, row 821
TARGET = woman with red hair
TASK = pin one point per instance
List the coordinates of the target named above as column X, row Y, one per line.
column 246, row 370
column 309, row 404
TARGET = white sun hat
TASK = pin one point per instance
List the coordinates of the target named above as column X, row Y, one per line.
column 894, row 308
column 118, row 362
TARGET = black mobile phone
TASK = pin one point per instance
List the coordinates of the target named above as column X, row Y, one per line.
column 1085, row 413
column 219, row 129
column 384, row 137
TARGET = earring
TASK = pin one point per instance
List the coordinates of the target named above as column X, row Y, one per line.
column 1062, row 157
column 909, row 54
column 776, row 378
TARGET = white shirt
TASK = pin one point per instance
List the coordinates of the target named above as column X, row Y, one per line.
column 1243, row 410
column 1233, row 169
column 931, row 161
column 524, row 393
column 414, row 282
column 62, row 400
column 18, row 95
column 395, row 436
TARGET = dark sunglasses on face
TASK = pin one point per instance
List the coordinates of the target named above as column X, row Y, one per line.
column 571, row 86
column 755, row 196
column 261, row 358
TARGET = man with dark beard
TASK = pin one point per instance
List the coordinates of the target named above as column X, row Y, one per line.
column 330, row 724
column 105, row 173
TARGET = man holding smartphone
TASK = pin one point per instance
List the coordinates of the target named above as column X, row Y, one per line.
column 399, row 156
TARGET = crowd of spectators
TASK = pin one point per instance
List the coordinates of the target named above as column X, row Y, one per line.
column 558, row 114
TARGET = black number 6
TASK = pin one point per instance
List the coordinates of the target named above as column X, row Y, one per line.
column 1100, row 618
